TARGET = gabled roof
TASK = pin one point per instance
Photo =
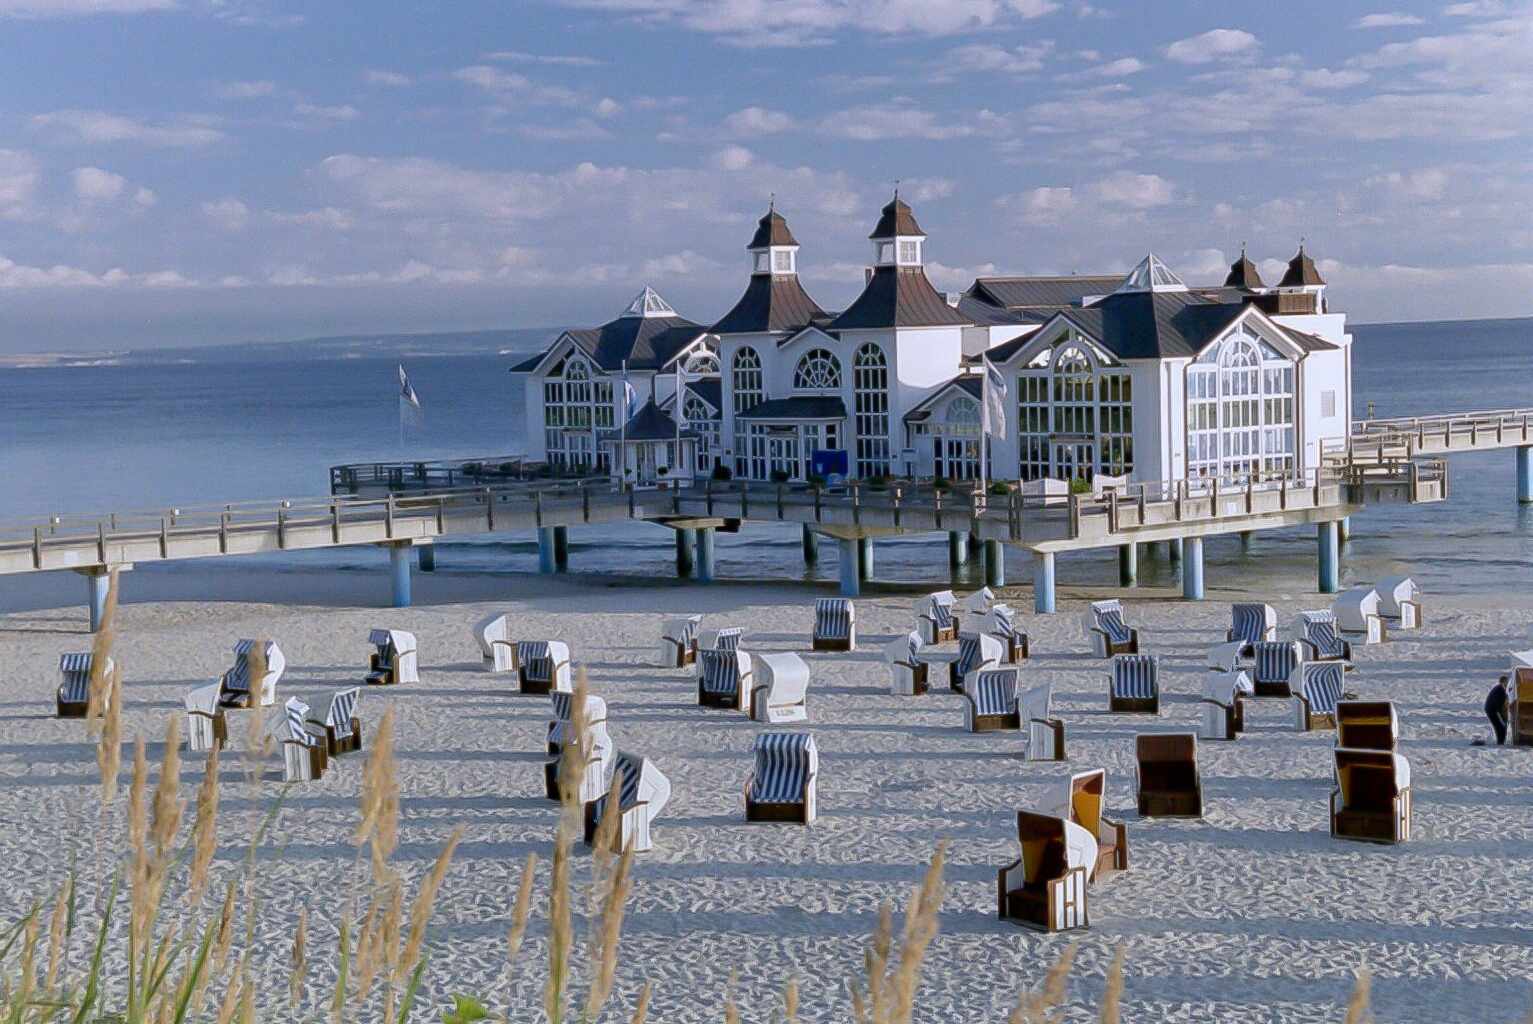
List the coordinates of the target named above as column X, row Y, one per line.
column 1243, row 274
column 648, row 424
column 971, row 384
column 1154, row 325
column 1301, row 271
column 976, row 311
column 771, row 230
column 1040, row 292
column 708, row 389
column 897, row 297
column 530, row 363
column 896, row 220
column 772, row 302
column 802, row 407
column 646, row 343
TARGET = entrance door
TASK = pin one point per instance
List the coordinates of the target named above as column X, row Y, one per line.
column 963, row 458
column 1073, row 461
column 782, row 454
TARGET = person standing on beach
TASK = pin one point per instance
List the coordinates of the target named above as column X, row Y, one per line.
column 1495, row 709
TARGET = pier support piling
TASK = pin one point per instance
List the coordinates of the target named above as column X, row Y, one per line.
column 974, row 546
column 1174, row 549
column 98, row 582
column 851, row 578
column 1245, row 539
column 425, row 557
column 399, row 574
column 1525, row 474
column 1128, row 565
column 1330, row 558
column 811, row 542
column 684, row 544
column 1192, row 569
column 1043, row 582
column 561, row 548
column 865, row 558
column 995, row 564
column 546, row 549
column 1344, row 529
column 957, row 548
column 705, row 554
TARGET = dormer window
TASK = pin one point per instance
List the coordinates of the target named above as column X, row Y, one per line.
column 886, row 252
column 782, row 261
column 910, row 251
column 763, row 262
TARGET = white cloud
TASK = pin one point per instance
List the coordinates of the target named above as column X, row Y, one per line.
column 390, row 78
column 341, row 113
column 558, row 60
column 96, row 127
column 1016, row 60
column 758, row 121
column 227, row 214
column 93, row 185
column 18, row 184
column 483, row 76
column 72, row 8
column 732, row 158
column 902, row 118
column 1219, row 42
column 246, row 90
column 1119, row 68
column 1324, row 78
column 1390, row 20
column 1136, row 191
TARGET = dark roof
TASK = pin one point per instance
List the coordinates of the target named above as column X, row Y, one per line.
column 1036, row 292
column 1301, row 271
column 896, row 220
column 647, row 343
column 977, row 311
column 804, row 407
column 648, row 424
column 1308, row 342
column 1243, row 274
column 772, row 302
column 709, row 389
column 971, row 384
column 530, row 363
column 771, row 230
column 897, row 297
column 1154, row 325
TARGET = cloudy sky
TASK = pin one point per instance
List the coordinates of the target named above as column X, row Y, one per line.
column 196, row 171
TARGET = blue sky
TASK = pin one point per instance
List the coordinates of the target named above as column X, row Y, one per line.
column 187, row 171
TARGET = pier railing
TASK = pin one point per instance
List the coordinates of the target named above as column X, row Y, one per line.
column 1412, row 435
column 428, row 474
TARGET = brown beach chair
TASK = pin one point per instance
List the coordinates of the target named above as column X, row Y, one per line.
column 1080, row 799
column 1045, row 888
column 1367, row 725
column 1372, row 798
column 1169, row 786
column 1520, row 688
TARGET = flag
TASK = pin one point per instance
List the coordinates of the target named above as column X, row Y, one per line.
column 681, row 414
column 630, row 396
column 994, row 413
column 407, row 393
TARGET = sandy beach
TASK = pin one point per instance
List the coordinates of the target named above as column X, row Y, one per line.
column 1253, row 913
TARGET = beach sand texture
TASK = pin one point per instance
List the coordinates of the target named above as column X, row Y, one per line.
column 1253, row 913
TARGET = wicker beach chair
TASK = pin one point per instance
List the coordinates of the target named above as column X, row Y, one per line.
column 493, row 633
column 543, row 666
column 1223, row 712
column 1272, row 665
column 1135, row 683
column 642, row 793
column 678, row 641
column 779, row 688
column 339, row 725
column 1045, row 733
column 1319, row 636
column 1317, row 687
column 1000, row 623
column 1399, row 602
column 1251, row 623
column 206, row 726
column 1372, row 798
column 979, row 602
column 835, row 625
column 935, row 619
column 1367, row 725
column 1081, row 799
column 990, row 703
column 976, row 651
column 1168, row 782
column 304, row 756
column 1106, row 631
column 593, row 759
column 725, row 639
column 784, row 784
column 724, row 679
column 1519, row 687
column 1045, row 888
column 236, row 681
column 394, row 658
column 908, row 674
column 1357, row 616
column 73, row 698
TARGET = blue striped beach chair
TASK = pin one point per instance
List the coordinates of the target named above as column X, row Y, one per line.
column 592, row 759
column 1135, row 683
column 908, row 674
column 783, row 784
column 304, row 757
column 1045, row 888
column 543, row 666
column 206, row 726
column 935, row 619
column 393, row 659
column 493, row 633
column 724, row 679
column 236, row 682
column 1251, row 623
column 1000, row 623
column 1316, row 686
column 73, row 699
column 1106, row 631
column 835, row 625
column 991, row 701
column 1318, row 634
column 642, row 793
column 779, row 688
column 976, row 651
column 678, row 641
column 1272, row 665
column 339, row 725
column 1045, row 733
column 726, row 639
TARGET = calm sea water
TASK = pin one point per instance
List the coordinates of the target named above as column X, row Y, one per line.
column 85, row 439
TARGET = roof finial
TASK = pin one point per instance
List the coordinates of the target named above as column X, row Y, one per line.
column 896, row 188
column 771, row 202
column 1242, row 248
column 1301, row 243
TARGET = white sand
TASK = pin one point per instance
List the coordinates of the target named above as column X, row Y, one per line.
column 1253, row 913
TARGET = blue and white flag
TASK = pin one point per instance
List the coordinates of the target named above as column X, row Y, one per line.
column 681, row 388
column 407, row 395
column 630, row 396
column 994, row 388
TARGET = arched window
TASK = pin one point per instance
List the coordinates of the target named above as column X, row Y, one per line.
column 819, row 370
column 702, row 362
column 963, row 412
column 747, row 393
column 870, row 384
column 1240, row 406
column 1075, row 400
column 576, row 407
column 703, row 420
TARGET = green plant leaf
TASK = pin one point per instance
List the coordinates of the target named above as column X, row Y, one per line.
column 465, row 1009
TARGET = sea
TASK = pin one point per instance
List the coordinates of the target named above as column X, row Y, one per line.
column 215, row 427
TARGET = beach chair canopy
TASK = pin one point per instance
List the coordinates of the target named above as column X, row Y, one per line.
column 639, row 781
column 1224, row 687
column 1353, row 608
column 1319, row 628
column 1367, row 724
column 203, row 699
column 682, row 629
column 292, row 725
column 721, row 671
column 75, row 672
column 1522, row 684
column 238, row 677
column 1135, row 675
column 342, row 709
column 785, row 762
column 397, row 640
column 976, row 649
column 1079, row 798
column 979, row 602
column 833, row 618
column 904, row 650
column 994, row 691
column 726, row 639
column 938, row 608
column 783, row 674
column 998, row 621
column 1052, row 845
column 1370, row 780
column 562, row 729
column 1275, row 660
column 492, row 629
column 1037, row 703
column 1320, row 684
column 1107, row 617
column 1252, row 622
column 1394, row 591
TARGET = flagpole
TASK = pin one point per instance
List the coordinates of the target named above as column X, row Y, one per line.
column 984, row 427
column 622, row 444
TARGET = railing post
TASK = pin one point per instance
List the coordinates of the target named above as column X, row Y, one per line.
column 335, row 522
column 895, row 494
column 817, row 510
column 164, row 538
column 1250, row 496
column 779, row 502
column 281, row 527
column 441, row 521
column 101, row 539
column 1283, row 493
column 856, row 505
column 1112, row 511
column 37, row 547
column 1213, row 499
column 585, row 503
column 537, row 507
column 489, row 510
column 223, row 533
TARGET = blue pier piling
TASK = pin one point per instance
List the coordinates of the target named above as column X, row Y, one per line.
column 1043, row 582
column 1330, row 558
column 1344, row 529
column 546, row 549
column 865, row 558
column 1192, row 569
column 995, row 564
column 1128, row 565
column 561, row 548
column 851, row 582
column 1525, row 474
column 98, row 582
column 1174, row 549
column 975, row 547
column 399, row 574
column 705, row 554
column 811, row 541
column 684, row 544
column 425, row 558
column 957, row 548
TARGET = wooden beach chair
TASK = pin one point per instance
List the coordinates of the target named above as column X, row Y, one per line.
column 1106, row 631
column 236, row 682
column 493, row 633
column 835, row 625
column 393, row 660
column 990, row 701
column 1045, row 733
column 724, row 679
column 1272, row 665
column 1372, row 798
column 935, row 619
column 304, row 756
column 1519, row 688
column 979, row 602
column 783, row 784
column 1317, row 687
column 642, row 793
column 779, row 688
column 1135, row 684
column 1169, row 786
column 1045, row 888
column 1367, row 725
column 593, row 758
column 206, row 726
column 725, row 639
column 976, row 651
column 73, row 698
column 1399, row 602
column 1316, row 632
column 1357, row 615
column 1251, row 623
column 543, row 666
column 339, row 725
column 1223, row 712
column 1081, row 798
column 999, row 623
column 908, row 674
column 678, row 641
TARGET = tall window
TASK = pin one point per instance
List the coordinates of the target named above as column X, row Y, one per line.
column 1033, row 424
column 1075, row 403
column 1115, row 422
column 1074, row 418
column 575, row 409
column 702, row 419
column 1240, row 410
column 870, row 384
column 819, row 370
column 748, row 393
column 956, row 447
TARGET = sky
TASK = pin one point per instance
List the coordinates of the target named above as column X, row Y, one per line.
column 205, row 171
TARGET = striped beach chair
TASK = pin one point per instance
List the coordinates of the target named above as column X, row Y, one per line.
column 393, row 659
column 835, row 625
column 1357, row 616
column 339, row 724
column 1223, row 712
column 1399, row 602
column 642, row 793
column 1251, row 623
column 999, row 622
column 1372, row 798
column 1106, row 631
column 1135, row 683
column 1317, row 687
column 979, row 602
column 1318, row 634
column 784, row 783
column 934, row 617
column 206, row 727
column 908, row 674
column 493, row 633
column 592, row 758
column 73, row 698
column 1045, row 733
column 724, row 679
column 779, row 688
column 1081, row 798
column 304, row 756
column 976, row 651
column 678, row 641
column 543, row 666
column 1272, row 665
column 1168, row 781
column 236, row 683
column 726, row 639
column 1367, row 725
column 990, row 703
column 1045, row 888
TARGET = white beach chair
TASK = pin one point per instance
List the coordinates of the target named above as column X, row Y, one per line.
column 1316, row 687
column 908, row 674
column 1045, row 888
column 393, row 659
column 678, row 641
column 1230, row 656
column 1135, row 683
column 1399, row 602
column 1318, row 634
column 934, row 617
column 642, row 792
column 1251, row 623
column 1357, row 615
column 543, row 666
column 726, row 639
column 999, row 623
column 1082, row 798
column 976, row 652
column 1223, row 715
column 724, row 679
column 304, row 756
column 979, row 602
column 339, row 725
column 1106, row 631
column 1272, row 665
column 1045, row 733
column 784, row 783
column 835, row 625
column 236, row 681
column 1372, row 798
column 206, row 727
column 73, row 698
column 493, row 632
column 595, row 751
column 780, row 689
column 990, row 700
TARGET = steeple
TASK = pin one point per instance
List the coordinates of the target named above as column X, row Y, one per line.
column 774, row 301
column 897, row 240
column 1301, row 271
column 773, row 248
column 1243, row 274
